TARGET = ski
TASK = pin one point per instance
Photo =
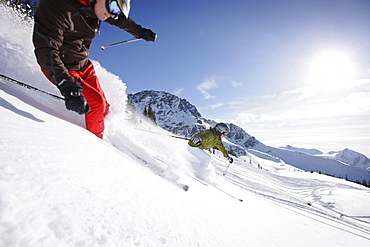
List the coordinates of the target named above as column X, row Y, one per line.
column 182, row 186
column 214, row 186
column 185, row 187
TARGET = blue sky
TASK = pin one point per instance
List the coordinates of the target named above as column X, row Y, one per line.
column 288, row 72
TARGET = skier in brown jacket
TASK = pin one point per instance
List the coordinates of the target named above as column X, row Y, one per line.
column 63, row 33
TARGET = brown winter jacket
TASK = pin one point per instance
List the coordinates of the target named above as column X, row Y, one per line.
column 63, row 32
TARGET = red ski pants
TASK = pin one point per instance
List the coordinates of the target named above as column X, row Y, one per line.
column 94, row 96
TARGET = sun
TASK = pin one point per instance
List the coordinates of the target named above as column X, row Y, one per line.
column 331, row 69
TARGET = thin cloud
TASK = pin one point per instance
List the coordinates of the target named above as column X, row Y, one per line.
column 217, row 105
column 207, row 85
column 178, row 91
column 235, row 84
column 235, row 103
column 213, row 82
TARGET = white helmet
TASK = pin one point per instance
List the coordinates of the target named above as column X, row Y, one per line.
column 222, row 128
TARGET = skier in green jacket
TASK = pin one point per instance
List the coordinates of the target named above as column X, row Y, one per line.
column 206, row 140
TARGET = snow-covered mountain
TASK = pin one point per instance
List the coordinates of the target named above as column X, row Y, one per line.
column 182, row 118
column 311, row 151
column 62, row 186
column 351, row 157
column 172, row 113
column 348, row 156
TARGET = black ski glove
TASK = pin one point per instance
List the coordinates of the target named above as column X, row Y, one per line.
column 147, row 35
column 74, row 99
column 231, row 160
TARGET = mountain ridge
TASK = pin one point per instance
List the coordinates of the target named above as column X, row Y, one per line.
column 346, row 155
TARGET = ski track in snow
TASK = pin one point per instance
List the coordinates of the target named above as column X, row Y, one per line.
column 295, row 191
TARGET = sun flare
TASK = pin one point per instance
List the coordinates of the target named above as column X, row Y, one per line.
column 331, row 69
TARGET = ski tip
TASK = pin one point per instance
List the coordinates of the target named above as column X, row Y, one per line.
column 185, row 187
column 102, row 47
column 241, row 200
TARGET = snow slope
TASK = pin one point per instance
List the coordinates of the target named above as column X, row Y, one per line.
column 62, row 186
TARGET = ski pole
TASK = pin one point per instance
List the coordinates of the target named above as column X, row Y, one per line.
column 226, row 169
column 29, row 86
column 240, row 200
column 178, row 137
column 119, row 43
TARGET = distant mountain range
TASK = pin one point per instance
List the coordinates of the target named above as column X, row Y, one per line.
column 182, row 118
column 346, row 155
